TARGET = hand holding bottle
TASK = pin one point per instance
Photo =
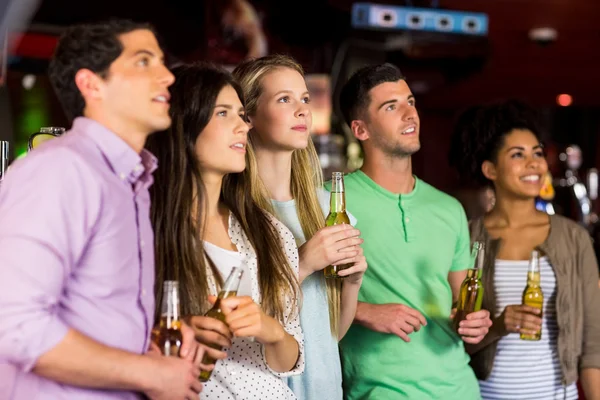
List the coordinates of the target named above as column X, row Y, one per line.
column 475, row 326
column 518, row 318
column 245, row 318
column 332, row 245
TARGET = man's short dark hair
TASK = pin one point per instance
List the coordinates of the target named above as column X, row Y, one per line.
column 92, row 46
column 354, row 96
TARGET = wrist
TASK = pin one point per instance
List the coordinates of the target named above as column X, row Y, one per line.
column 362, row 313
column 276, row 333
column 145, row 372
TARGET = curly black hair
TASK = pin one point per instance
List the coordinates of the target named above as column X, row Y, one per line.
column 479, row 134
column 92, row 46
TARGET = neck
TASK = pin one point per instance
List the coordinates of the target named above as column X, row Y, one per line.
column 275, row 171
column 392, row 173
column 513, row 212
column 213, row 184
column 136, row 139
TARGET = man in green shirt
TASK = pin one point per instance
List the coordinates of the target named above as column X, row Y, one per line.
column 402, row 345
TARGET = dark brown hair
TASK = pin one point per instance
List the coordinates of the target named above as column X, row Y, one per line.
column 178, row 201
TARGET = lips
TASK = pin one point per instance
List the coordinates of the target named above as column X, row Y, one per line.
column 409, row 131
column 162, row 98
column 299, row 128
column 239, row 146
column 531, row 178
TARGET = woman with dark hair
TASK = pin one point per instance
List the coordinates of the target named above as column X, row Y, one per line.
column 206, row 222
column 499, row 145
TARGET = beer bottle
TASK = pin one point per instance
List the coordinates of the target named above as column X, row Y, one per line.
column 169, row 335
column 532, row 295
column 470, row 295
column 230, row 289
column 337, row 215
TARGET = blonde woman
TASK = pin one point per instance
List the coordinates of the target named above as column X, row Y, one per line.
column 286, row 180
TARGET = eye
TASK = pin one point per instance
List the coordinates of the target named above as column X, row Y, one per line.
column 306, row 100
column 518, row 154
column 222, row 113
column 284, row 99
column 143, row 62
column 391, row 107
column 244, row 117
column 412, row 102
column 539, row 153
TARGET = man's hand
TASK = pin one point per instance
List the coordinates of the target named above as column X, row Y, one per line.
column 474, row 328
column 397, row 319
column 173, row 378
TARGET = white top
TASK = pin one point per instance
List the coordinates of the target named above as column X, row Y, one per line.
column 225, row 260
column 244, row 374
column 526, row 369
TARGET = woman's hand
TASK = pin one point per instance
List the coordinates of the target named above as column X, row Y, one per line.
column 354, row 274
column 245, row 318
column 332, row 245
column 518, row 319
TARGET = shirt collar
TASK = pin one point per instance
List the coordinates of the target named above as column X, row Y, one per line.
column 123, row 160
column 380, row 189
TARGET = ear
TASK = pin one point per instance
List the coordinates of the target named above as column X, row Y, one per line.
column 250, row 121
column 489, row 170
column 89, row 84
column 359, row 129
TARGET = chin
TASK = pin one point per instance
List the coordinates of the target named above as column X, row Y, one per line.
column 161, row 124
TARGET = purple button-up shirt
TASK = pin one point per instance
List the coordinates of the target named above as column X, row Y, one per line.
column 76, row 251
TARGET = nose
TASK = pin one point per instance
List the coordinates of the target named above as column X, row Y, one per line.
column 165, row 76
column 410, row 113
column 303, row 111
column 242, row 127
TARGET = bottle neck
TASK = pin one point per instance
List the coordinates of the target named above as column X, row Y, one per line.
column 170, row 307
column 337, row 202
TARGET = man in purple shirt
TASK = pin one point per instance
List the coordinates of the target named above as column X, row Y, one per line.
column 76, row 244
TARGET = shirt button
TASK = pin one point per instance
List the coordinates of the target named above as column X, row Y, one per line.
column 122, row 176
column 143, row 292
column 407, row 219
column 138, row 168
column 142, row 243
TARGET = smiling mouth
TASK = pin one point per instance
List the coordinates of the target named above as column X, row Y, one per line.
column 409, row 131
column 531, row 178
column 238, row 146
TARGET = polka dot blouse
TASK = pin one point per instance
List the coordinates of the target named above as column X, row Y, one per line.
column 244, row 374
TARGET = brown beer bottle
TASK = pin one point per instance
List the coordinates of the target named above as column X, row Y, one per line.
column 337, row 215
column 470, row 295
column 532, row 295
column 169, row 334
column 230, row 289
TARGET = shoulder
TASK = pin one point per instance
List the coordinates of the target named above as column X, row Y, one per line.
column 279, row 227
column 61, row 164
column 562, row 228
column 435, row 197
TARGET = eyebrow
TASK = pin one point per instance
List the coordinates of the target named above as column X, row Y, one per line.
column 539, row 146
column 410, row 97
column 148, row 53
column 229, row 107
column 289, row 91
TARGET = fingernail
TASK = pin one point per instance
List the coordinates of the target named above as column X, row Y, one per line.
column 183, row 352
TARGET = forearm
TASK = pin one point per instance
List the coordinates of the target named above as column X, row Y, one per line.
column 349, row 305
column 282, row 355
column 362, row 314
column 80, row 361
column 590, row 382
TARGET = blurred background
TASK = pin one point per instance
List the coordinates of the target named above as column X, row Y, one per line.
column 455, row 54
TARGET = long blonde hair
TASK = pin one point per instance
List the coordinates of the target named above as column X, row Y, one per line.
column 306, row 169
